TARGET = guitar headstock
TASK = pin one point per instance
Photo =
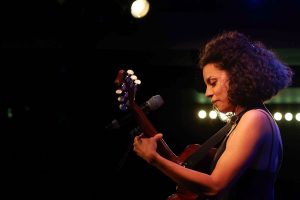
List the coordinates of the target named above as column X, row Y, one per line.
column 126, row 83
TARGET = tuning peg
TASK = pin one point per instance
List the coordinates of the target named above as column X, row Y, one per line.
column 121, row 99
column 130, row 72
column 119, row 91
column 124, row 97
column 123, row 107
column 133, row 77
column 138, row 82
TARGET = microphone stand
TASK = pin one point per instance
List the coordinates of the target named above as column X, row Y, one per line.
column 134, row 132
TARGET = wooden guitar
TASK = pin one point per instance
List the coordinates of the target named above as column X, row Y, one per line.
column 126, row 83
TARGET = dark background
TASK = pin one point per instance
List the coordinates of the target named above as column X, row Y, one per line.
column 58, row 63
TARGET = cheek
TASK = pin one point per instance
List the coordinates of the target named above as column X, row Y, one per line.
column 221, row 91
column 223, row 94
column 225, row 90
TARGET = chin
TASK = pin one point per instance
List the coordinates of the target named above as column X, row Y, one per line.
column 224, row 109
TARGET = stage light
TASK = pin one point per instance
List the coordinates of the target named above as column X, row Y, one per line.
column 213, row 114
column 140, row 8
column 202, row 114
column 288, row 116
column 298, row 116
column 224, row 117
column 277, row 116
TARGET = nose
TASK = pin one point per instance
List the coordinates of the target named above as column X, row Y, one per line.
column 208, row 92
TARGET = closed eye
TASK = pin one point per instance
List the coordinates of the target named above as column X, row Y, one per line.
column 212, row 82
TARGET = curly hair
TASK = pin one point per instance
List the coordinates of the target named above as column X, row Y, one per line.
column 255, row 73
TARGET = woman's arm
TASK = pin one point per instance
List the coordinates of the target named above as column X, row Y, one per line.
column 242, row 146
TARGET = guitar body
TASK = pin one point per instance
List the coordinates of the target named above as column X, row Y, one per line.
column 203, row 166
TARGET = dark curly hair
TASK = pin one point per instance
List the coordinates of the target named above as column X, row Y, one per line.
column 255, row 73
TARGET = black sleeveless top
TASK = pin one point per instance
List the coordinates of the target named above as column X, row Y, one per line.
column 252, row 184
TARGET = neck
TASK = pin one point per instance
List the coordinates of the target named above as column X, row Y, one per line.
column 238, row 109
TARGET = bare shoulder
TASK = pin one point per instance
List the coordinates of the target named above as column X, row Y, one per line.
column 254, row 121
column 256, row 116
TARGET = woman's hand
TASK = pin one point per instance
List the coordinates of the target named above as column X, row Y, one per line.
column 146, row 147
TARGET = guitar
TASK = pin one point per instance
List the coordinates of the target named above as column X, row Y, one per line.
column 127, row 83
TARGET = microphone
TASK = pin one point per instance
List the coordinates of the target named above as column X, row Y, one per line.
column 152, row 104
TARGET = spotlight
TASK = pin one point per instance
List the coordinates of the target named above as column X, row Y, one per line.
column 278, row 116
column 298, row 116
column 202, row 114
column 288, row 116
column 213, row 114
column 139, row 8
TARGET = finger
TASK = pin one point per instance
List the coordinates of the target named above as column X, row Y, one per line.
column 158, row 136
column 137, row 139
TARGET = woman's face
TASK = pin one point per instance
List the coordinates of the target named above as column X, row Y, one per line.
column 217, row 85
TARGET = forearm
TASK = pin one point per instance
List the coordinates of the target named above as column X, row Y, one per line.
column 192, row 180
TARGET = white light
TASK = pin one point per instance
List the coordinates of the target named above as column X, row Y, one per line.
column 288, row 116
column 223, row 117
column 202, row 114
column 139, row 8
column 298, row 116
column 213, row 114
column 277, row 116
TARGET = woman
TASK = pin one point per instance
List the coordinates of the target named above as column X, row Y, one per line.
column 240, row 75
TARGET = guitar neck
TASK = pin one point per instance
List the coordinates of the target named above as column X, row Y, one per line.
column 148, row 130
